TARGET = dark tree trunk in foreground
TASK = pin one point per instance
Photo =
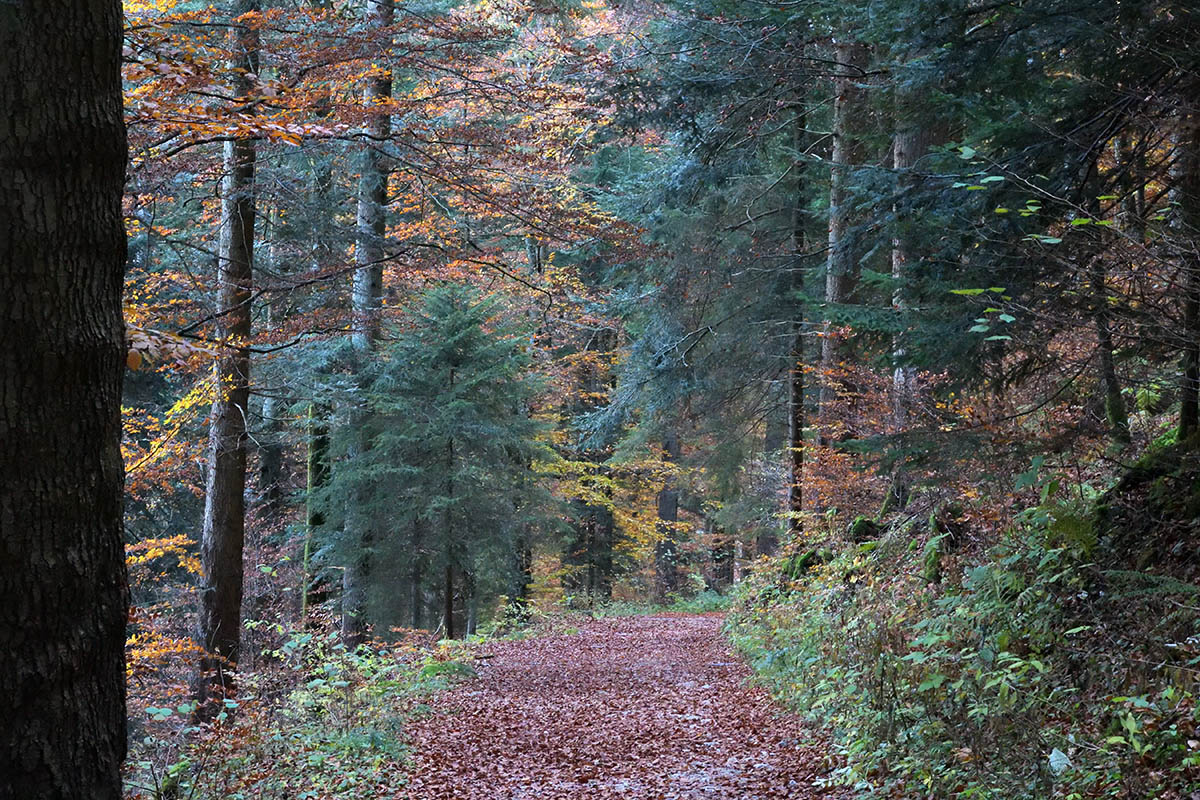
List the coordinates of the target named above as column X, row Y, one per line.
column 63, row 599
column 224, row 534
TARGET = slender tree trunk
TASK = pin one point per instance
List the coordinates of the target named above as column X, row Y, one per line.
column 448, row 599
column 1188, row 177
column 522, row 571
column 605, row 536
column 796, row 360
column 471, row 603
column 448, row 532
column 367, row 297
column 270, row 436
column 416, row 573
column 912, row 142
column 666, row 551
column 775, row 436
column 1114, row 403
column 314, row 513
column 63, row 597
column 841, row 269
column 224, row 530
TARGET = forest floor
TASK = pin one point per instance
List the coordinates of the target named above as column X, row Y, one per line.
column 631, row 707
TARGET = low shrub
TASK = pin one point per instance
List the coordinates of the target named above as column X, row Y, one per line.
column 1033, row 673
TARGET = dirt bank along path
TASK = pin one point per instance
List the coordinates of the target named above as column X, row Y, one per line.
column 635, row 707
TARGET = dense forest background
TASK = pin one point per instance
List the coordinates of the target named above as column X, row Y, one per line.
column 876, row 323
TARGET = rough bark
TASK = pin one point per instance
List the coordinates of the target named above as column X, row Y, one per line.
column 63, row 598
column 795, row 405
column 912, row 141
column 372, row 199
column 223, row 537
column 367, row 299
column 841, row 268
column 270, row 434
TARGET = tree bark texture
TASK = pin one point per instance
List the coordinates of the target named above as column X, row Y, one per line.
column 841, row 269
column 224, row 533
column 371, row 218
column 912, row 142
column 271, row 475
column 796, row 361
column 367, row 299
column 63, row 595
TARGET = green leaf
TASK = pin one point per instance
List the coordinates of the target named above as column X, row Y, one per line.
column 1081, row 221
column 978, row 329
column 934, row 681
column 998, row 338
column 968, row 292
column 1007, row 318
column 992, row 179
column 966, row 152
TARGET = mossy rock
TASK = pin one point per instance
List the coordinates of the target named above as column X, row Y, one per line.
column 798, row 565
column 863, row 529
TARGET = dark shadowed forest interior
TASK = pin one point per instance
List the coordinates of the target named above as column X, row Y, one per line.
column 600, row 399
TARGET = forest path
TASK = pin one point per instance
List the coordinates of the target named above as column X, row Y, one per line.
column 631, row 707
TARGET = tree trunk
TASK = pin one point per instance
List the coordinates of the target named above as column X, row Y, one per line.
column 314, row 514
column 367, row 298
column 912, row 142
column 795, row 406
column 63, row 597
column 416, row 573
column 666, row 551
column 270, row 435
column 841, row 269
column 1188, row 175
column 448, row 599
column 1114, row 403
column 224, row 531
column 372, row 199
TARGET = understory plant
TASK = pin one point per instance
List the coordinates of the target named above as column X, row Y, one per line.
column 324, row 721
column 1014, row 678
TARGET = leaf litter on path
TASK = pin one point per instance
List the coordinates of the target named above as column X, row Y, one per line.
column 636, row 707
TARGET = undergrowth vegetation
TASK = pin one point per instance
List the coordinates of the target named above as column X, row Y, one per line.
column 322, row 722
column 1060, row 661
